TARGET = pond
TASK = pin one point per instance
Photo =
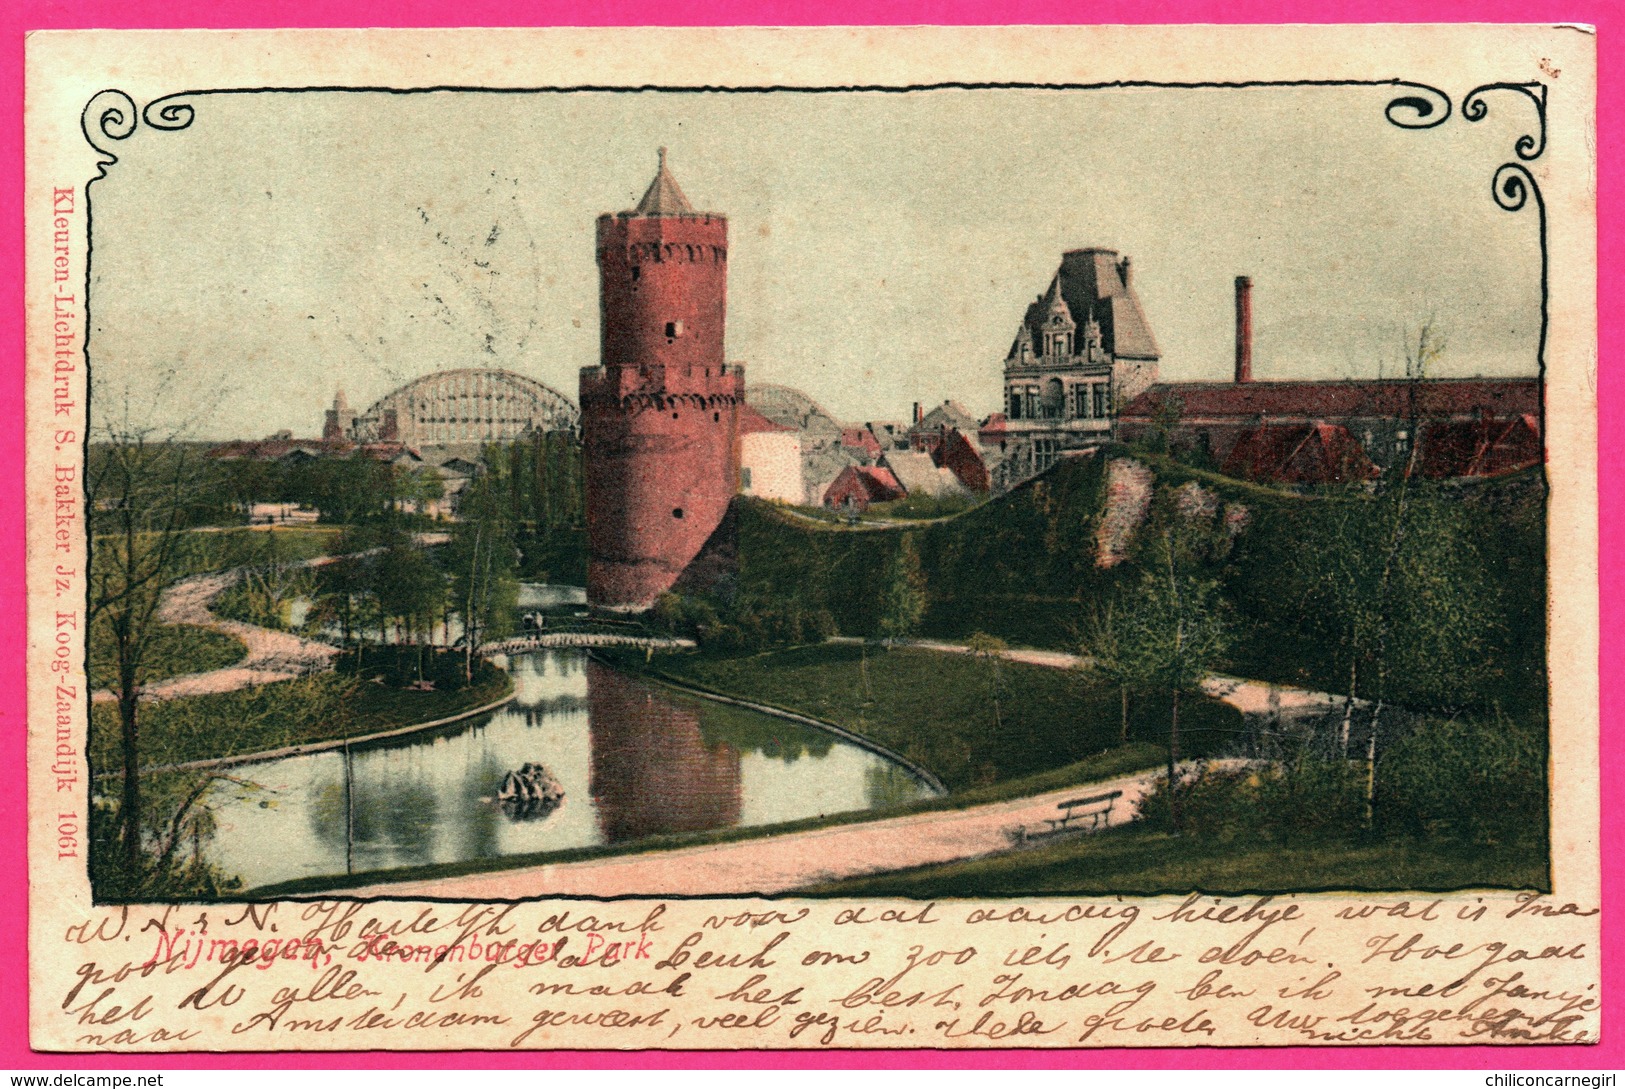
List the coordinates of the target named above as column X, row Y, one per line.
column 633, row 759
column 542, row 595
column 533, row 597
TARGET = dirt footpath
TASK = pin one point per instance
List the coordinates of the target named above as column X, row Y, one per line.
column 272, row 655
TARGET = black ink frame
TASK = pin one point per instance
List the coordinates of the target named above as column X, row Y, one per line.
column 111, row 116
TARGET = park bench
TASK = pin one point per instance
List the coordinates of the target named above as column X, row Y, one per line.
column 1095, row 808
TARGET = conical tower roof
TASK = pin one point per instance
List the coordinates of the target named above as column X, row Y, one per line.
column 663, row 197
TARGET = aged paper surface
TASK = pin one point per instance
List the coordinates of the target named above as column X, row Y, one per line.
column 215, row 258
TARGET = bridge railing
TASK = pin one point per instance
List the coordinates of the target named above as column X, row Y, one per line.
column 554, row 639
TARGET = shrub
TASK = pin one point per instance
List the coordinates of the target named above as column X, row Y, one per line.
column 1313, row 800
column 1482, row 781
column 1473, row 779
column 401, row 665
column 181, row 876
column 747, row 626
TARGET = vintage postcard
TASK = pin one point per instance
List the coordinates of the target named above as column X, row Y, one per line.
column 818, row 539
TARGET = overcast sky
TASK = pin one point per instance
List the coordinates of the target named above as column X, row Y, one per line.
column 883, row 246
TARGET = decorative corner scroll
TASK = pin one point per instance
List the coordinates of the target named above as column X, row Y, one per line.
column 1512, row 184
column 111, row 116
column 1530, row 146
column 1425, row 108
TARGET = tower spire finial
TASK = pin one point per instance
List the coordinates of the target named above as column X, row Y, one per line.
column 663, row 197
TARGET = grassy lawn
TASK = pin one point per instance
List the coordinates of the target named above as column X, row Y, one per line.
column 973, row 723
column 319, row 708
column 1144, row 861
column 215, row 550
column 174, row 650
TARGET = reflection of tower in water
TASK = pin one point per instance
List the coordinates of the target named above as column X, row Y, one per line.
column 652, row 772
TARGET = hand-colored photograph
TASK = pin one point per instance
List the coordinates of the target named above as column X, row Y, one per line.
column 923, row 492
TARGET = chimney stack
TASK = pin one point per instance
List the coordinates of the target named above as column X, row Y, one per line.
column 1124, row 269
column 918, row 415
column 1244, row 328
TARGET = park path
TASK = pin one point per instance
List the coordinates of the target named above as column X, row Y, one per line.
column 272, row 655
column 778, row 864
column 863, row 522
column 1260, row 698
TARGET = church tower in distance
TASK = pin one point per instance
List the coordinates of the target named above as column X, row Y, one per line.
column 659, row 415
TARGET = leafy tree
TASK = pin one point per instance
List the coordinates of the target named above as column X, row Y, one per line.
column 538, row 483
column 990, row 649
column 482, row 557
column 343, row 587
column 1396, row 584
column 1176, row 625
column 347, row 489
column 410, row 588
column 1115, row 646
column 273, row 580
column 903, row 596
column 1342, row 568
column 1165, row 421
column 416, row 487
column 239, row 483
column 1478, row 779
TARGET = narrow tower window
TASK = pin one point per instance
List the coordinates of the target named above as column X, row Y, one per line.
column 637, row 271
column 674, row 329
column 677, row 512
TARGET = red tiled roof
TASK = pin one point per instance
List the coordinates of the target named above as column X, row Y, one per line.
column 881, row 482
column 752, row 422
column 1481, row 447
column 862, row 438
column 277, row 449
column 1339, row 399
column 388, row 451
column 869, row 483
column 1316, row 453
column 274, row 449
column 959, row 456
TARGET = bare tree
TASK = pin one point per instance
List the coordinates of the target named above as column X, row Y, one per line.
column 1357, row 563
column 138, row 486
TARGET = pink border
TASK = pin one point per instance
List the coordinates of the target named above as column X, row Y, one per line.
column 63, row 14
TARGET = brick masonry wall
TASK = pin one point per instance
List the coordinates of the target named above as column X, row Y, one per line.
column 659, row 417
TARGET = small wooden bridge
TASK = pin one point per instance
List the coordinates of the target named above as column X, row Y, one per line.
column 554, row 639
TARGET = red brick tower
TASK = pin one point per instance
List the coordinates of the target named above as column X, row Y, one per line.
column 660, row 412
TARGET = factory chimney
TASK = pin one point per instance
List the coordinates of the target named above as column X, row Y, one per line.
column 1244, row 328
